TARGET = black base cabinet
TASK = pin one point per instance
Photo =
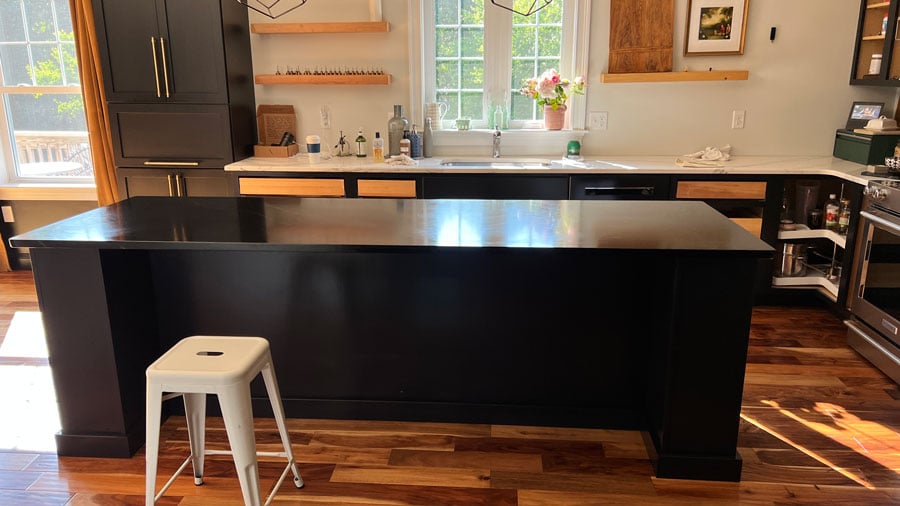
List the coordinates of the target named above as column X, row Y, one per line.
column 173, row 183
column 492, row 186
column 620, row 187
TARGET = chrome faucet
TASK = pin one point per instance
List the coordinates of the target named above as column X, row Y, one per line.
column 496, row 145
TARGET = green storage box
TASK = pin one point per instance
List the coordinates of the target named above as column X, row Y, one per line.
column 864, row 148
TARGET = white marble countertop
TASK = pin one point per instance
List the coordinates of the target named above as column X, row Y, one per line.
column 780, row 165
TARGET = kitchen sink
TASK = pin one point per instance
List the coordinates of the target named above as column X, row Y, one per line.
column 494, row 163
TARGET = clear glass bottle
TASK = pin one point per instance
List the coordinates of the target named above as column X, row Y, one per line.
column 844, row 217
column 378, row 148
column 498, row 118
column 360, row 144
column 396, row 126
column 831, row 210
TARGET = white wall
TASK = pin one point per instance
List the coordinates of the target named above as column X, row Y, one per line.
column 797, row 94
column 351, row 107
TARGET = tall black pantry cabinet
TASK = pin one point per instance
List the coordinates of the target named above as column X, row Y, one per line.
column 178, row 79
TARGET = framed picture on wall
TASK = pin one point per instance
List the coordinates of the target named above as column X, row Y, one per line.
column 715, row 27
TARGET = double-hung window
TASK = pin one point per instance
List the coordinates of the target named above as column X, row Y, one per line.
column 477, row 55
column 43, row 136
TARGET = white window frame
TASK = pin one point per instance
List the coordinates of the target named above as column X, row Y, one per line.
column 8, row 172
column 575, row 44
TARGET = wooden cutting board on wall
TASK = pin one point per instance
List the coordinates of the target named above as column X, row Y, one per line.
column 640, row 35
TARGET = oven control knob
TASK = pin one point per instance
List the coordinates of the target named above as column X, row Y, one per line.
column 876, row 193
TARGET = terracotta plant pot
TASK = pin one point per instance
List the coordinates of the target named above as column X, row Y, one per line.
column 554, row 119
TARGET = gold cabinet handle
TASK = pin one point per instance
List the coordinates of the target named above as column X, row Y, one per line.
column 179, row 185
column 162, row 49
column 171, row 184
column 171, row 164
column 155, row 64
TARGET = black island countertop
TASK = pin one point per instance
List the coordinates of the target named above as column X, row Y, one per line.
column 289, row 223
column 612, row 314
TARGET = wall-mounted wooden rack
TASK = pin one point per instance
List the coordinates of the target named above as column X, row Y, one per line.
column 323, row 79
column 668, row 77
column 348, row 27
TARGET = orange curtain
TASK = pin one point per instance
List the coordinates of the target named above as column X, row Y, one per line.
column 94, row 101
column 4, row 261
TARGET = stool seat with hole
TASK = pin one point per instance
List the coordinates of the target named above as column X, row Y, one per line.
column 223, row 366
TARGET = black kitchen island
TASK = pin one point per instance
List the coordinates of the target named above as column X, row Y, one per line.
column 614, row 314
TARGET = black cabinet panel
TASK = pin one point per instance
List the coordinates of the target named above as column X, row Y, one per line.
column 620, row 187
column 124, row 32
column 489, row 186
column 173, row 183
column 162, row 50
column 194, row 52
column 144, row 134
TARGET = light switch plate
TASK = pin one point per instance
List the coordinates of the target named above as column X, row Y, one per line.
column 7, row 214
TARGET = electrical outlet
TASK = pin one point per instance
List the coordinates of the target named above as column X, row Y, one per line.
column 7, row 214
column 737, row 119
column 325, row 116
column 599, row 120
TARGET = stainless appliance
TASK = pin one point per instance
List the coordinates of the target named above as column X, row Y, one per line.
column 874, row 328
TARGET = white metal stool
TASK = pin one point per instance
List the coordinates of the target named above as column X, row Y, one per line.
column 225, row 366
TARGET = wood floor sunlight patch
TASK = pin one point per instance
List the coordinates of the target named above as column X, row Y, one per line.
column 25, row 337
column 30, row 417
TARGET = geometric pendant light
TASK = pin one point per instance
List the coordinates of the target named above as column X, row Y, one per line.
column 523, row 7
column 272, row 8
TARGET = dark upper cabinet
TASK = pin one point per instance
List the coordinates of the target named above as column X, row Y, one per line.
column 163, row 50
column 178, row 78
column 876, row 34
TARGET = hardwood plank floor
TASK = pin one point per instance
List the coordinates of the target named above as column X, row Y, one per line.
column 819, row 425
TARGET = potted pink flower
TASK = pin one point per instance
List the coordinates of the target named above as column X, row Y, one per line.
column 551, row 91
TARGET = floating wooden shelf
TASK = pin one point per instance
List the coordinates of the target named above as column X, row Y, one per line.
column 878, row 5
column 667, row 77
column 313, row 79
column 349, row 27
column 873, row 37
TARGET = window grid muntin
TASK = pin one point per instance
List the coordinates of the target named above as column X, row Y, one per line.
column 519, row 102
column 454, row 97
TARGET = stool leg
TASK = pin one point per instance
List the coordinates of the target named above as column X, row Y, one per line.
column 151, row 447
column 268, row 375
column 238, row 414
column 195, row 412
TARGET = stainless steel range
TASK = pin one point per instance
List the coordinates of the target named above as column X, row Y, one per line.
column 874, row 328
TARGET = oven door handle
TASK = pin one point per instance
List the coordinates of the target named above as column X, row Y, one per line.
column 890, row 225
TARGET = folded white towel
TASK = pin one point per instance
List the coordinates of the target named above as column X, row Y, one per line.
column 696, row 162
column 709, row 157
column 401, row 160
column 721, row 154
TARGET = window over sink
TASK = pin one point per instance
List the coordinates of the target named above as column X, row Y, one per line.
column 475, row 57
column 43, row 135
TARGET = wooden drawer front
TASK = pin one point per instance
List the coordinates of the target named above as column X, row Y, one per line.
column 752, row 225
column 386, row 188
column 292, row 186
column 755, row 190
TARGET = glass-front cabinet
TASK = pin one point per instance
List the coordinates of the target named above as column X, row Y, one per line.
column 874, row 61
